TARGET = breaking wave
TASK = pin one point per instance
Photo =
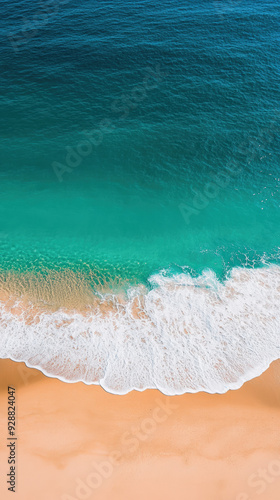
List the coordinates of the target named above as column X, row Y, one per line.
column 184, row 334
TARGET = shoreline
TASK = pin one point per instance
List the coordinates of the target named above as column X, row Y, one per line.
column 253, row 375
column 184, row 336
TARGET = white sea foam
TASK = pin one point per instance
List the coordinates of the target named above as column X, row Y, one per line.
column 194, row 334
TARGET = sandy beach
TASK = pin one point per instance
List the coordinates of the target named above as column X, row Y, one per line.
column 79, row 442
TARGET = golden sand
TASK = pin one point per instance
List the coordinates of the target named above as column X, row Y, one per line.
column 79, row 442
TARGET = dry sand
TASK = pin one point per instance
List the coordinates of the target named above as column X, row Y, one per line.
column 79, row 442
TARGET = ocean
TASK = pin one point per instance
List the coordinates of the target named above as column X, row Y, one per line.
column 139, row 204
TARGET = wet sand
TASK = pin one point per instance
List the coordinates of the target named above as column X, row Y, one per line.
column 79, row 442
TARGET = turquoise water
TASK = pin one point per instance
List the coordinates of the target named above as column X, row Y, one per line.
column 140, row 141
column 174, row 96
column 134, row 231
